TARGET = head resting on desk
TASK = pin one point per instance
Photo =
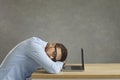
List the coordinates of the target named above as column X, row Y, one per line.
column 56, row 51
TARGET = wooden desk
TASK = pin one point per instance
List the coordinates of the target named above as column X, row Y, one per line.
column 92, row 71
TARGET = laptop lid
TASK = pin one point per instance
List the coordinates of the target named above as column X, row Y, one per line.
column 75, row 67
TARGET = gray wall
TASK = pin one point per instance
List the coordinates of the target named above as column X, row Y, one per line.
column 91, row 24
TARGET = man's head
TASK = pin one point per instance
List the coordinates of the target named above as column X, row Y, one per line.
column 56, row 51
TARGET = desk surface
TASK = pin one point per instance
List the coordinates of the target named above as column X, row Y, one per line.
column 92, row 71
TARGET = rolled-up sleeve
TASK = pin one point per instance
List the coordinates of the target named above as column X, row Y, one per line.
column 38, row 54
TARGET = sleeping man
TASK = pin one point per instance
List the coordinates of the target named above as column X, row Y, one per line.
column 31, row 54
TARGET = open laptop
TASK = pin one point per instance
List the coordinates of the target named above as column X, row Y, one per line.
column 76, row 67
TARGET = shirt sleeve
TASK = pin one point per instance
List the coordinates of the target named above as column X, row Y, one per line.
column 38, row 54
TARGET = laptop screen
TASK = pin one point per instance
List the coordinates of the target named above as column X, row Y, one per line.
column 76, row 66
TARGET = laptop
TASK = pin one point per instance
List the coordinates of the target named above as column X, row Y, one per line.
column 76, row 67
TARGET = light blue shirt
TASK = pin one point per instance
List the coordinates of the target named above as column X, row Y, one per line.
column 25, row 58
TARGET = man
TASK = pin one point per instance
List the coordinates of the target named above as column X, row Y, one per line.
column 31, row 54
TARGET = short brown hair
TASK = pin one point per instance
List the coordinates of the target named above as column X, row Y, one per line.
column 63, row 51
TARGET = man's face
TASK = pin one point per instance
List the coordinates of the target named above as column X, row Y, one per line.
column 53, row 52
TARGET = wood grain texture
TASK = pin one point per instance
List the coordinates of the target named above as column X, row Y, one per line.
column 92, row 71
